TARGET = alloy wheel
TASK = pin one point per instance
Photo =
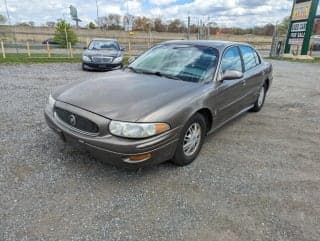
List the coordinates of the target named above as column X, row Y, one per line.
column 192, row 139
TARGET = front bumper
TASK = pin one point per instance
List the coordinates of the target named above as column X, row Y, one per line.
column 99, row 66
column 115, row 150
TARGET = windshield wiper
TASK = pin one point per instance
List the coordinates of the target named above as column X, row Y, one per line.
column 158, row 73
column 161, row 74
column 169, row 76
column 133, row 69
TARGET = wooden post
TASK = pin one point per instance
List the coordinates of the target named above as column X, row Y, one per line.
column 129, row 48
column 311, row 49
column 28, row 49
column 88, row 41
column 67, row 48
column 48, row 50
column 2, row 49
column 71, row 53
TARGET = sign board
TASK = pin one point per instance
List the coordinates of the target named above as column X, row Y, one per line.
column 297, row 33
column 73, row 12
column 301, row 25
column 301, row 10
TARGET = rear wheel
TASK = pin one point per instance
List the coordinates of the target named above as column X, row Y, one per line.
column 260, row 100
column 191, row 140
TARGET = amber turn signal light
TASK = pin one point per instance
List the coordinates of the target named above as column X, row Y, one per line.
column 161, row 127
column 138, row 158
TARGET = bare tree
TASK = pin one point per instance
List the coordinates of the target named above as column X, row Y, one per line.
column 142, row 23
column 158, row 25
column 176, row 25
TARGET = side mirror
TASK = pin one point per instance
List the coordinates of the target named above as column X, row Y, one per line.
column 123, row 49
column 231, row 75
column 84, row 47
column 131, row 59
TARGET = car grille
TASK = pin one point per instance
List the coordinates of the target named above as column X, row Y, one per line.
column 76, row 121
column 101, row 59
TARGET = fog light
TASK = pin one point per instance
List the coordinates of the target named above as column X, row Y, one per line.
column 138, row 158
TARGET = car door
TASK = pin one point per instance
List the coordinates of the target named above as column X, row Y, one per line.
column 229, row 92
column 253, row 74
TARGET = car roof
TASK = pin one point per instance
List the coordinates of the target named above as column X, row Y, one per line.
column 104, row 39
column 218, row 44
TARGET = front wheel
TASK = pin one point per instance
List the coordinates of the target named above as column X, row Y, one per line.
column 260, row 100
column 191, row 140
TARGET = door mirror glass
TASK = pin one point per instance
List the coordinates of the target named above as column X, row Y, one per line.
column 131, row 59
column 231, row 75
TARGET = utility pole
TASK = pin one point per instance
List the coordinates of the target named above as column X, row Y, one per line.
column 8, row 15
column 14, row 28
column 188, row 26
column 98, row 20
column 274, row 40
column 127, row 6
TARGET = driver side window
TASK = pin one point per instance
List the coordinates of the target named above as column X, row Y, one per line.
column 231, row 60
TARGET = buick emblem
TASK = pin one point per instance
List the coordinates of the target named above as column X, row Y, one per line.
column 72, row 120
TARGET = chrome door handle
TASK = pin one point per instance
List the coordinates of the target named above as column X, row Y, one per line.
column 243, row 83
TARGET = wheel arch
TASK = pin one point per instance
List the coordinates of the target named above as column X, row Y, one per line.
column 207, row 114
column 267, row 83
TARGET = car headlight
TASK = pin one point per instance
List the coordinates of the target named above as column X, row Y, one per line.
column 86, row 58
column 51, row 102
column 117, row 60
column 137, row 130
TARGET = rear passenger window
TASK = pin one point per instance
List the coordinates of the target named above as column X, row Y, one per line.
column 258, row 61
column 250, row 57
column 231, row 60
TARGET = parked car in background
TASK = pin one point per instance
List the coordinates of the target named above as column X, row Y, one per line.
column 162, row 106
column 315, row 41
column 50, row 41
column 102, row 54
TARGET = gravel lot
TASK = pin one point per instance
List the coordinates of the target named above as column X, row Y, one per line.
column 258, row 178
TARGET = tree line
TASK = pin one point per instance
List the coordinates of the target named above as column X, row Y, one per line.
column 142, row 23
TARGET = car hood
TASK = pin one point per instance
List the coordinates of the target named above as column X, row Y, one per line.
column 124, row 95
column 104, row 52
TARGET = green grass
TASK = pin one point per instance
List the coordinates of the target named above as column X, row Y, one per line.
column 12, row 58
column 316, row 60
column 43, row 59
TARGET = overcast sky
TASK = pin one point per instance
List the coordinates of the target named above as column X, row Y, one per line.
column 235, row 13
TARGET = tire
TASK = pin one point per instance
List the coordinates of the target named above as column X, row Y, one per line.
column 260, row 100
column 186, row 154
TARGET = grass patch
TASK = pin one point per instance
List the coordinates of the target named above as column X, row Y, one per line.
column 316, row 60
column 12, row 58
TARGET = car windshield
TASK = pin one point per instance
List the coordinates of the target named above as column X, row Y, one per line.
column 185, row 62
column 101, row 44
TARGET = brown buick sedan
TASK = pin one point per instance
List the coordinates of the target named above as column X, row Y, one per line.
column 162, row 106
